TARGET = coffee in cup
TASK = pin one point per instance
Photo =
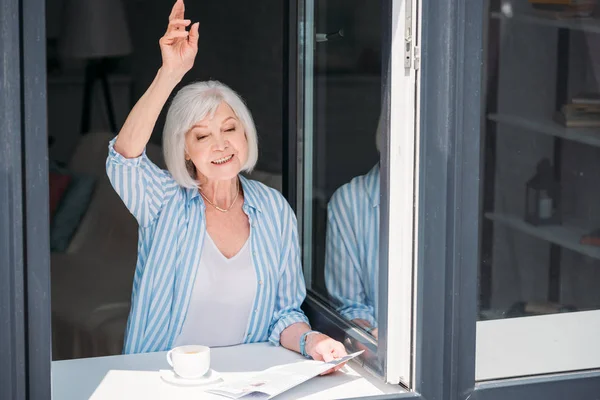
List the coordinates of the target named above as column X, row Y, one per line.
column 191, row 361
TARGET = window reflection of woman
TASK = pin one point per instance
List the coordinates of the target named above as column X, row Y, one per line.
column 352, row 247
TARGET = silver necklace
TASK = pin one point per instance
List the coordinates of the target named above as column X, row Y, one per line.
column 232, row 203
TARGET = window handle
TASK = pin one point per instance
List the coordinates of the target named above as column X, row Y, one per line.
column 327, row 37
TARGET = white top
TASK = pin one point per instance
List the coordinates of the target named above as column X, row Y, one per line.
column 222, row 298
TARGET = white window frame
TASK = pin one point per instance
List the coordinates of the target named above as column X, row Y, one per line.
column 402, row 232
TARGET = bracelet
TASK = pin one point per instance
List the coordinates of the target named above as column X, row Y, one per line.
column 303, row 342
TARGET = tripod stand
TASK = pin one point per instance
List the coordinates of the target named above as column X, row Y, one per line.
column 96, row 70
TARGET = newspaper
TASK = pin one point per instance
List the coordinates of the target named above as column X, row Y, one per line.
column 278, row 379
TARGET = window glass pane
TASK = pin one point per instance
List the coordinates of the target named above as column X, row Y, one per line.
column 540, row 240
column 342, row 107
column 356, row 191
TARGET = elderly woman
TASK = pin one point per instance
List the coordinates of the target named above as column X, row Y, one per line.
column 218, row 254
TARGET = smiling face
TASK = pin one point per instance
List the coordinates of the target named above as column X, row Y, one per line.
column 217, row 146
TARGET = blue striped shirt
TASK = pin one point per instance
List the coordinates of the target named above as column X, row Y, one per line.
column 172, row 227
column 352, row 247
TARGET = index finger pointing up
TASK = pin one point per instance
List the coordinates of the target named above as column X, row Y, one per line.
column 177, row 11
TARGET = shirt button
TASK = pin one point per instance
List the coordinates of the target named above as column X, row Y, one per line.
column 255, row 310
column 260, row 282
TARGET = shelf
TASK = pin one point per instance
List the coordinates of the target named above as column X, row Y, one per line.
column 580, row 24
column 589, row 136
column 564, row 236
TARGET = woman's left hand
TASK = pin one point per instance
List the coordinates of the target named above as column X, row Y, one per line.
column 323, row 348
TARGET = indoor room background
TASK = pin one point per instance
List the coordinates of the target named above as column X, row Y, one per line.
column 93, row 236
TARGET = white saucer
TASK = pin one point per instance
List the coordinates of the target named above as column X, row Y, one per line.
column 168, row 375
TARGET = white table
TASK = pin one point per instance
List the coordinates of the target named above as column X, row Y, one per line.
column 136, row 376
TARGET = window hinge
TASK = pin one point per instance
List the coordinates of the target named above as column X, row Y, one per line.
column 408, row 41
column 411, row 52
column 408, row 50
column 412, row 55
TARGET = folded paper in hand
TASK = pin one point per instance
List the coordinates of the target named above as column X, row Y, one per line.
column 278, row 379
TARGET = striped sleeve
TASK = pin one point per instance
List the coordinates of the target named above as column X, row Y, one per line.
column 142, row 185
column 291, row 290
column 342, row 264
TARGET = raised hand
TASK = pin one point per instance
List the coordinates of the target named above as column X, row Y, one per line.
column 178, row 46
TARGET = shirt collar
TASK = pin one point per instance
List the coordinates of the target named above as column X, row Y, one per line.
column 191, row 194
column 372, row 183
column 250, row 197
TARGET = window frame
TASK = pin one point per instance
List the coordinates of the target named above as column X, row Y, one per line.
column 450, row 166
column 446, row 312
column 24, row 223
column 317, row 306
column 399, row 165
column 13, row 346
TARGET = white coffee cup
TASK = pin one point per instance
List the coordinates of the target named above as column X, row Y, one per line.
column 191, row 361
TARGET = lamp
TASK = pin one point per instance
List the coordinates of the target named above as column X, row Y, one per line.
column 95, row 31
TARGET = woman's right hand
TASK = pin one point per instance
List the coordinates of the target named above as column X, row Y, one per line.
column 178, row 46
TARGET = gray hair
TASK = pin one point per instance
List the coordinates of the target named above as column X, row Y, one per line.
column 193, row 103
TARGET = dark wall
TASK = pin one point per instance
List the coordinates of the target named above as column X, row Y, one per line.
column 240, row 45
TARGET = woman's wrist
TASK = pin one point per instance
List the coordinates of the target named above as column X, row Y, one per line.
column 168, row 78
column 368, row 328
column 364, row 324
column 306, row 344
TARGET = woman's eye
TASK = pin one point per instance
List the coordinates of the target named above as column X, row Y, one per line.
column 200, row 137
column 230, row 129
